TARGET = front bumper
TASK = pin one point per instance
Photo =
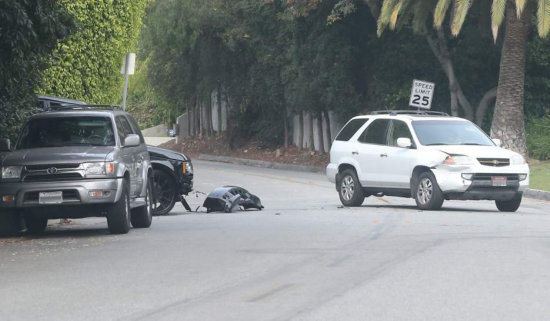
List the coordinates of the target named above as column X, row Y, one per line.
column 480, row 186
column 74, row 192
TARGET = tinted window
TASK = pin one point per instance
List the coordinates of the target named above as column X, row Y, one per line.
column 67, row 131
column 123, row 127
column 376, row 133
column 350, row 129
column 399, row 130
column 450, row 132
column 135, row 128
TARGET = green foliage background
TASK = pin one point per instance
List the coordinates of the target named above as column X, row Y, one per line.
column 86, row 66
column 29, row 31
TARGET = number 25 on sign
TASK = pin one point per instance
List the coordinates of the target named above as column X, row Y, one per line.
column 421, row 94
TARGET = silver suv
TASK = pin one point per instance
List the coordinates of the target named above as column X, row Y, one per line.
column 76, row 162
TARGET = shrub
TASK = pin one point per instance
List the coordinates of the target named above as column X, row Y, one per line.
column 538, row 138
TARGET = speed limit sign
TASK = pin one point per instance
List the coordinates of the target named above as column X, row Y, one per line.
column 421, row 94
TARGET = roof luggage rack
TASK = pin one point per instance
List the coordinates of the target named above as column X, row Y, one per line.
column 409, row 112
column 83, row 107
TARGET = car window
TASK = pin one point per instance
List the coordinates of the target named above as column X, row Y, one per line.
column 136, row 129
column 67, row 131
column 123, row 127
column 350, row 129
column 376, row 132
column 399, row 129
column 450, row 132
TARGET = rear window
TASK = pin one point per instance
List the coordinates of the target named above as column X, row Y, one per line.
column 350, row 129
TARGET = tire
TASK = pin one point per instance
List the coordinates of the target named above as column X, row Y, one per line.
column 164, row 189
column 142, row 216
column 10, row 223
column 511, row 205
column 350, row 189
column 35, row 224
column 118, row 214
column 426, row 192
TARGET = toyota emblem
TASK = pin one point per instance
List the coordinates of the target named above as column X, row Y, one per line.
column 52, row 170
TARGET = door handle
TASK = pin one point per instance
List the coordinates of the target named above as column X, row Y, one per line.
column 383, row 155
column 355, row 153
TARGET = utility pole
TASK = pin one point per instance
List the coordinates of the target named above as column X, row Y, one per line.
column 127, row 69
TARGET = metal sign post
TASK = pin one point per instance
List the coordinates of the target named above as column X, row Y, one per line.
column 127, row 69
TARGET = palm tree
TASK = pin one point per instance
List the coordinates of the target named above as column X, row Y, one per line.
column 508, row 122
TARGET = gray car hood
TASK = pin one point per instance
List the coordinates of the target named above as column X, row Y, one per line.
column 57, row 155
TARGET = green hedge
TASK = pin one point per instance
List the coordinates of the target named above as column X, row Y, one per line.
column 87, row 65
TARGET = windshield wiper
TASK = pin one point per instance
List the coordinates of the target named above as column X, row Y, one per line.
column 434, row 144
column 473, row 144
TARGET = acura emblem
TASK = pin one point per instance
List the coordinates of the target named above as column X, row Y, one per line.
column 52, row 170
column 496, row 162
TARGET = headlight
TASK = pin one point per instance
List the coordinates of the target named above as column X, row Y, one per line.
column 99, row 168
column 187, row 168
column 517, row 160
column 11, row 172
column 458, row 160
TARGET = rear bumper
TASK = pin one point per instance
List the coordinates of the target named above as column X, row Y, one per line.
column 74, row 192
column 331, row 171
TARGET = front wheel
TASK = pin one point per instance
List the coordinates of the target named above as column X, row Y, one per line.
column 511, row 205
column 350, row 190
column 10, row 223
column 164, row 187
column 426, row 192
column 142, row 216
column 36, row 224
column 118, row 214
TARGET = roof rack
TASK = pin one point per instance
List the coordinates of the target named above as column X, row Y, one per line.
column 409, row 112
column 84, row 107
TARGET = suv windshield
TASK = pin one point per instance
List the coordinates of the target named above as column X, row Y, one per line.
column 450, row 132
column 67, row 131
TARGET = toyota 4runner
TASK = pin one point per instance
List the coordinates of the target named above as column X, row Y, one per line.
column 428, row 156
column 75, row 162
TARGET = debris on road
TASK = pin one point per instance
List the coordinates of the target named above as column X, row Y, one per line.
column 229, row 198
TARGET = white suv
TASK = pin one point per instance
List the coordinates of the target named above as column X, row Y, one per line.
column 429, row 156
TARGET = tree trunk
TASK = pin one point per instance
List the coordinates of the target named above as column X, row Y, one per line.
column 219, row 100
column 484, row 104
column 441, row 52
column 211, row 131
column 286, row 131
column 188, row 120
column 329, row 133
column 508, row 123
column 310, row 140
column 320, row 132
column 300, row 130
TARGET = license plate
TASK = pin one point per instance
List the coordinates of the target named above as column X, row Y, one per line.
column 50, row 197
column 499, row 181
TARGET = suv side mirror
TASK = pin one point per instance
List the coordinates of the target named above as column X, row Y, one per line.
column 131, row 140
column 497, row 142
column 404, row 142
column 5, row 145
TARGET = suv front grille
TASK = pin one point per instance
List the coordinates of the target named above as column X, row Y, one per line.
column 494, row 162
column 45, row 167
column 55, row 177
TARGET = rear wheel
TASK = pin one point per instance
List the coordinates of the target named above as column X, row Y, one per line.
column 427, row 194
column 142, row 216
column 511, row 205
column 350, row 190
column 164, row 189
column 10, row 223
column 118, row 214
column 35, row 224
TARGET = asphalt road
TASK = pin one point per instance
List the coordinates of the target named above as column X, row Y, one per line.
column 302, row 258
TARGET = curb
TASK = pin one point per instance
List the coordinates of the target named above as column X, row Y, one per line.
column 258, row 163
column 537, row 194
column 529, row 193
